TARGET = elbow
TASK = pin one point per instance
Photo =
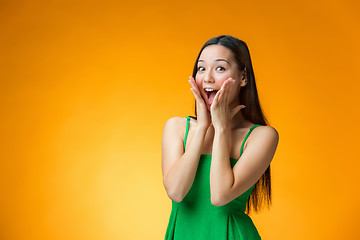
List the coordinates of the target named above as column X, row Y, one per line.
column 219, row 196
column 175, row 196
column 177, row 199
column 216, row 203
column 175, row 191
column 218, row 200
column 223, row 197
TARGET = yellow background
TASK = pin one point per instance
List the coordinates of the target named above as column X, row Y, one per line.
column 86, row 87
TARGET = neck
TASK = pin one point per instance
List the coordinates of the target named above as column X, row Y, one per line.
column 239, row 121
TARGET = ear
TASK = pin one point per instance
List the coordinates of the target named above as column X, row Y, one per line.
column 243, row 80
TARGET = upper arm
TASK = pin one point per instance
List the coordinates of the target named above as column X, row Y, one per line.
column 255, row 159
column 172, row 142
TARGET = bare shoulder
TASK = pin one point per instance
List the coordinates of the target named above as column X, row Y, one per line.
column 175, row 120
column 264, row 133
column 175, row 126
column 175, row 123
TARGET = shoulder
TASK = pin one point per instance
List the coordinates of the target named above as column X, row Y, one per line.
column 265, row 132
column 263, row 142
column 175, row 125
column 174, row 133
column 175, row 122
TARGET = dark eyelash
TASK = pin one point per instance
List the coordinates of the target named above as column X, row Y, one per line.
column 222, row 68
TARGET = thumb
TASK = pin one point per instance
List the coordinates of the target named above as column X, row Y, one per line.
column 236, row 109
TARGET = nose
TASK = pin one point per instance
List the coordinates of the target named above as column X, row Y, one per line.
column 208, row 78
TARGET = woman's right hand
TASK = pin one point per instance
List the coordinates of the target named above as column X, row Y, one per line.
column 203, row 114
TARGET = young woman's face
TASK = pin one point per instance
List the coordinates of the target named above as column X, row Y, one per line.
column 215, row 65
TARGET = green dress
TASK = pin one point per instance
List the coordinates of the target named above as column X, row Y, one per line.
column 195, row 218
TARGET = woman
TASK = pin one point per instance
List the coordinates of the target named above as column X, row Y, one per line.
column 212, row 166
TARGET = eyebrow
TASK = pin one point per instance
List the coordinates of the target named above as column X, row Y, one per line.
column 216, row 60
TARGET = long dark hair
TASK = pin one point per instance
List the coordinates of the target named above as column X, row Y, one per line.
column 249, row 97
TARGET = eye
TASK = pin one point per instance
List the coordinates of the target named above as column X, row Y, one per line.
column 220, row 68
column 200, row 69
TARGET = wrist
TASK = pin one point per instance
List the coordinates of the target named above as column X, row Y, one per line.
column 221, row 126
column 201, row 129
column 221, row 129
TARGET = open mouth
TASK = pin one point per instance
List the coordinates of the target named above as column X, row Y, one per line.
column 210, row 93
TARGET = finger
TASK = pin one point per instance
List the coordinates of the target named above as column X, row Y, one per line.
column 223, row 86
column 200, row 102
column 228, row 88
column 220, row 93
column 236, row 109
column 225, row 92
column 197, row 96
column 217, row 98
column 193, row 83
column 195, row 86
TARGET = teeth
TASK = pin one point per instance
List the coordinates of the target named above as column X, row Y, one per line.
column 209, row 89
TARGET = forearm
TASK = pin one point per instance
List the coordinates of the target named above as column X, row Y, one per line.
column 221, row 174
column 180, row 177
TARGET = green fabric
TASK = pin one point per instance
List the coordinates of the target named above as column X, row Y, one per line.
column 196, row 218
column 187, row 131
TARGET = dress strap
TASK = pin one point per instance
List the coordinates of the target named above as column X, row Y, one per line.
column 187, row 130
column 247, row 135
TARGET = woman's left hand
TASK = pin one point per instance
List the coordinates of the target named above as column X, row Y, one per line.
column 221, row 114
